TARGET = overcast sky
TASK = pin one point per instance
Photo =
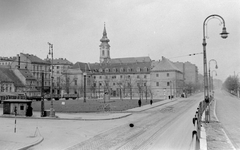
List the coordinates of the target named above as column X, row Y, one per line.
column 155, row 28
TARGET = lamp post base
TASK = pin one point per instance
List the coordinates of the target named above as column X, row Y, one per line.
column 52, row 112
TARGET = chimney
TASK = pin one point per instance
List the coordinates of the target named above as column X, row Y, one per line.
column 18, row 61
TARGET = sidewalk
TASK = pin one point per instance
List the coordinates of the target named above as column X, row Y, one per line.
column 20, row 141
column 222, row 134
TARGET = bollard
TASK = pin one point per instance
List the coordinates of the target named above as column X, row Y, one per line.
column 194, row 121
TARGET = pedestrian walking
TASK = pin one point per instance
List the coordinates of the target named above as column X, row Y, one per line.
column 151, row 102
column 139, row 102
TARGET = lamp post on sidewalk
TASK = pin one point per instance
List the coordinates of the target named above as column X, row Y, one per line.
column 224, row 35
column 238, row 87
column 216, row 67
column 52, row 114
column 212, row 84
column 84, row 86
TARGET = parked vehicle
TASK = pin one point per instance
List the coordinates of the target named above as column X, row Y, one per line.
column 37, row 98
column 54, row 96
column 67, row 96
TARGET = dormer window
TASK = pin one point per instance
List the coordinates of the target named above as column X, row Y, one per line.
column 145, row 69
column 121, row 69
column 138, row 69
column 129, row 69
column 106, row 70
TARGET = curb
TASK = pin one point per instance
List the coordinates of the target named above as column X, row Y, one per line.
column 32, row 144
column 57, row 118
column 203, row 138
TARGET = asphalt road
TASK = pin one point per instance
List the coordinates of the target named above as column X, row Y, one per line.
column 168, row 127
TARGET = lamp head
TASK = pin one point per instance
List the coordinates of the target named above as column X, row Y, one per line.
column 216, row 67
column 224, row 33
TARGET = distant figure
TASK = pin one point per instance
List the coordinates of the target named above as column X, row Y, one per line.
column 29, row 111
column 151, row 102
column 139, row 102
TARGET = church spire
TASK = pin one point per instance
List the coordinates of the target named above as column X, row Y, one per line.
column 104, row 47
column 104, row 30
column 104, row 38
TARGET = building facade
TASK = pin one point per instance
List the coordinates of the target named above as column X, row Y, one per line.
column 166, row 79
column 28, row 80
column 61, row 68
column 130, row 78
column 36, row 66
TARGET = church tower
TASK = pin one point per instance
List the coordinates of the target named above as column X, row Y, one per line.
column 104, row 47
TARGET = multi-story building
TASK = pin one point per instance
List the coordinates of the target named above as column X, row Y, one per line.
column 28, row 80
column 125, row 77
column 190, row 76
column 60, row 69
column 37, row 67
column 166, row 79
column 189, row 70
column 7, row 61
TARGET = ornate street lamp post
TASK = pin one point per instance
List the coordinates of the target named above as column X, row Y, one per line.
column 212, row 79
column 224, row 35
column 84, row 86
column 209, row 71
column 52, row 114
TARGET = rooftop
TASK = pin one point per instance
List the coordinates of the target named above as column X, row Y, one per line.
column 34, row 59
column 7, row 75
column 129, row 60
column 164, row 65
column 27, row 74
column 61, row 61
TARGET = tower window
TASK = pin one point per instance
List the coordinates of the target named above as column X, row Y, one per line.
column 103, row 53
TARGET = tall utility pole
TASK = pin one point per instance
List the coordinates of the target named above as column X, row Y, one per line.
column 52, row 113
column 42, row 95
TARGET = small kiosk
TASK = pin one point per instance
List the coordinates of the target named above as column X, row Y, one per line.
column 20, row 106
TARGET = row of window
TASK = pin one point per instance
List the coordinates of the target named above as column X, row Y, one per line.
column 138, row 69
column 120, row 76
column 61, row 67
column 128, row 84
column 157, row 84
column 38, row 75
column 168, row 75
column 5, row 63
column 40, row 67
